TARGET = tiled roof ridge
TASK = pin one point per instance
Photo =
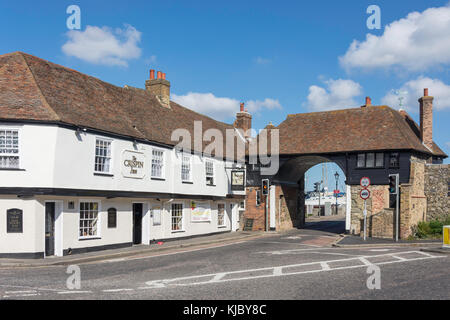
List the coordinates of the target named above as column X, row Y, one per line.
column 300, row 114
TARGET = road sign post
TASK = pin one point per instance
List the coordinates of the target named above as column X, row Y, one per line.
column 394, row 180
column 365, row 194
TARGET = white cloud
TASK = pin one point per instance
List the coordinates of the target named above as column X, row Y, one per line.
column 104, row 45
column 338, row 94
column 412, row 90
column 419, row 41
column 254, row 106
column 221, row 108
column 261, row 60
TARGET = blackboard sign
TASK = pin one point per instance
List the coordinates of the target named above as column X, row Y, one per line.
column 14, row 221
column 248, row 226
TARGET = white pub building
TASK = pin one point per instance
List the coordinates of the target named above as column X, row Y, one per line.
column 86, row 165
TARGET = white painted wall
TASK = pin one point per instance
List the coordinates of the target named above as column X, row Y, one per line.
column 32, row 238
column 59, row 158
column 54, row 157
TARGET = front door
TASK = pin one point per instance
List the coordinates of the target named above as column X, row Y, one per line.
column 137, row 223
column 49, row 228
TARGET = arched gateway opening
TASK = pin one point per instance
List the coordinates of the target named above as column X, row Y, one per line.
column 316, row 208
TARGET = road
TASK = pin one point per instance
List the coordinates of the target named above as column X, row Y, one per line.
column 298, row 265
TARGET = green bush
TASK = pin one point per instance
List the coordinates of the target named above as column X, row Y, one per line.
column 431, row 229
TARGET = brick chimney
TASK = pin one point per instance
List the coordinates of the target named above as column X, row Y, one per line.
column 243, row 120
column 160, row 87
column 368, row 102
column 426, row 119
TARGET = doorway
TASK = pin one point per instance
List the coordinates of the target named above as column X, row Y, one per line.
column 49, row 228
column 137, row 223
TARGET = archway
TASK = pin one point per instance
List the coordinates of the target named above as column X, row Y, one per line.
column 291, row 175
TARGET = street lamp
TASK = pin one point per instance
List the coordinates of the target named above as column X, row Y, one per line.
column 336, row 175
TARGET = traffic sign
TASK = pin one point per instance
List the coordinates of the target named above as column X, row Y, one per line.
column 364, row 194
column 365, row 182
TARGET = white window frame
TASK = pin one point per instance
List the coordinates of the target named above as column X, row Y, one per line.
column 163, row 166
column 224, row 224
column 183, row 156
column 99, row 219
column 182, row 229
column 18, row 154
column 213, row 172
column 110, row 141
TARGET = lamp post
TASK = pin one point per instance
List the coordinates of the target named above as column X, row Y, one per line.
column 336, row 175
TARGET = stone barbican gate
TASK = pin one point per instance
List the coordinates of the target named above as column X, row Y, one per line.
column 371, row 141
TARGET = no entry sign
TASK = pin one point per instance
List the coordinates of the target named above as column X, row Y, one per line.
column 364, row 194
column 365, row 182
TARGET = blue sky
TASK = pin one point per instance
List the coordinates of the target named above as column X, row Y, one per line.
column 279, row 57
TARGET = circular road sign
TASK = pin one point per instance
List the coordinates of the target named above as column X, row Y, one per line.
column 364, row 194
column 365, row 182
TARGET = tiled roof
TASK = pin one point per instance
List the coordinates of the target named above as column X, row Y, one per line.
column 35, row 89
column 358, row 129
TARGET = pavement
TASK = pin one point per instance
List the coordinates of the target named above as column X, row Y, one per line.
column 296, row 265
column 204, row 241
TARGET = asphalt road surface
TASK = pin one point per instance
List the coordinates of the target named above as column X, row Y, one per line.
column 298, row 265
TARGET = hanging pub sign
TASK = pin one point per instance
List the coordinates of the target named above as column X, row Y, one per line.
column 238, row 180
column 14, row 221
column 133, row 164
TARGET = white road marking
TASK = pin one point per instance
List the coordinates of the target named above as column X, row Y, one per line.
column 321, row 266
column 117, row 290
column 22, row 295
column 379, row 250
column 22, row 291
column 73, row 292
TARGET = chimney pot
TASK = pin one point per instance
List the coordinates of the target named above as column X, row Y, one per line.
column 242, row 107
column 368, row 101
column 159, row 74
column 152, row 74
column 164, row 76
column 425, row 92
